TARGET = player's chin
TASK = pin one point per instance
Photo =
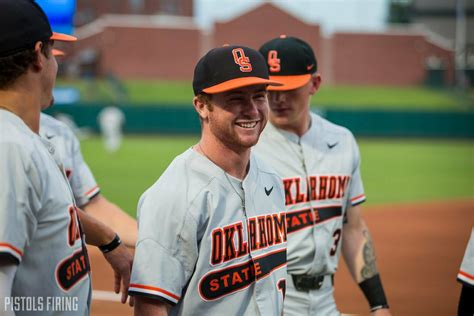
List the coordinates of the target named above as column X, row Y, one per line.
column 248, row 139
column 279, row 120
column 48, row 103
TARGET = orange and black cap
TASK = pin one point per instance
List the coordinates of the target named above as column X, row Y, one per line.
column 23, row 23
column 230, row 67
column 290, row 61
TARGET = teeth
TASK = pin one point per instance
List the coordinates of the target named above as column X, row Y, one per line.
column 247, row 125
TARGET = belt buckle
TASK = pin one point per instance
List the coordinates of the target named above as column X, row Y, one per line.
column 305, row 283
column 318, row 282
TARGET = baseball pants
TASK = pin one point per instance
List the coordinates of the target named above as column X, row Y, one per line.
column 313, row 302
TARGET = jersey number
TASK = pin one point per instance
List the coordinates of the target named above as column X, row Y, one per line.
column 73, row 228
column 336, row 237
column 282, row 286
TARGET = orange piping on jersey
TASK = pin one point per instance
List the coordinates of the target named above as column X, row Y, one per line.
column 157, row 289
column 92, row 190
column 18, row 251
column 467, row 275
column 358, row 197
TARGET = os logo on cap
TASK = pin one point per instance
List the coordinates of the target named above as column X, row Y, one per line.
column 242, row 60
column 273, row 61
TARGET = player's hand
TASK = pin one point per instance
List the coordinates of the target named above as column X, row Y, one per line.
column 381, row 312
column 121, row 260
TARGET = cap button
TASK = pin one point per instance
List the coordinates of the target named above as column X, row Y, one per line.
column 283, row 36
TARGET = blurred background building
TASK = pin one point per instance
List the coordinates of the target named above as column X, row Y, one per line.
column 397, row 42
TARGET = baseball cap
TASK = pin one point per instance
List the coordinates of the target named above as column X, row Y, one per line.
column 58, row 52
column 23, row 23
column 290, row 60
column 230, row 67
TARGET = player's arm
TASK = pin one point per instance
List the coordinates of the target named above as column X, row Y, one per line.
column 359, row 254
column 8, row 267
column 145, row 306
column 120, row 258
column 87, row 194
column 107, row 212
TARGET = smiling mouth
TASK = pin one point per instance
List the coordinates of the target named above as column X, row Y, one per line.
column 247, row 124
column 279, row 110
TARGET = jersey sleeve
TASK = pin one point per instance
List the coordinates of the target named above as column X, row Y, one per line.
column 20, row 189
column 356, row 192
column 82, row 181
column 466, row 272
column 167, row 247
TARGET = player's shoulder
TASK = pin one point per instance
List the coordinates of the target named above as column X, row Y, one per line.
column 329, row 127
column 19, row 144
column 14, row 132
column 185, row 176
column 51, row 126
column 263, row 168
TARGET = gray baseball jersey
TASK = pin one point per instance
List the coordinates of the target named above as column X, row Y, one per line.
column 466, row 272
column 209, row 244
column 68, row 149
column 321, row 178
column 39, row 226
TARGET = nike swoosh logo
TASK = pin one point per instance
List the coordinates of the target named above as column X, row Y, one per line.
column 267, row 192
column 309, row 67
column 49, row 136
column 330, row 146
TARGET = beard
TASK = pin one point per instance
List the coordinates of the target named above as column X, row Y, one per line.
column 229, row 136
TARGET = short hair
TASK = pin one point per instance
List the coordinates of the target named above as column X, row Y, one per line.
column 204, row 98
column 15, row 65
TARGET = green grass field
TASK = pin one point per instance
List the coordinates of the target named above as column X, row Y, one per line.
column 153, row 92
column 392, row 170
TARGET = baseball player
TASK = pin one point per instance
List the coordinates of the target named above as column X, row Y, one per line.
column 85, row 188
column 111, row 120
column 319, row 165
column 42, row 253
column 211, row 232
column 466, row 277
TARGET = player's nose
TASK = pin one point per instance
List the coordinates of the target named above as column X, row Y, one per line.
column 277, row 96
column 250, row 108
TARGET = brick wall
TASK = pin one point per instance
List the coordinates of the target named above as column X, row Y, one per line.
column 385, row 59
column 345, row 58
column 148, row 53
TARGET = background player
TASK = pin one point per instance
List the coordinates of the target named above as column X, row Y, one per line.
column 111, row 120
column 211, row 232
column 83, row 185
column 319, row 163
column 39, row 224
column 466, row 277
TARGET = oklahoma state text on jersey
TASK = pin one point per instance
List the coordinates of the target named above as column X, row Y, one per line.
column 210, row 244
column 321, row 180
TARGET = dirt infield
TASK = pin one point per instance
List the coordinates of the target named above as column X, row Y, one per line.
column 419, row 249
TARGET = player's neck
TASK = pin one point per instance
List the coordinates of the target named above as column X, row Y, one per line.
column 233, row 162
column 22, row 104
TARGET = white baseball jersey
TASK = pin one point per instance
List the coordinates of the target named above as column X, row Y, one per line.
column 209, row 244
column 466, row 272
column 321, row 178
column 68, row 149
column 39, row 226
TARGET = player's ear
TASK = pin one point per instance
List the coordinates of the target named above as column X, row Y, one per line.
column 38, row 62
column 201, row 108
column 315, row 83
